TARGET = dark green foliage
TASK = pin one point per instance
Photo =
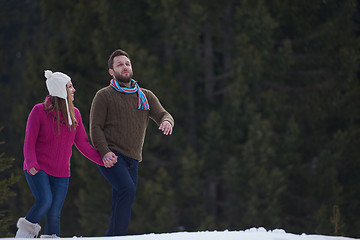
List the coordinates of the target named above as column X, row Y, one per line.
column 7, row 181
column 92, row 192
column 265, row 96
column 156, row 201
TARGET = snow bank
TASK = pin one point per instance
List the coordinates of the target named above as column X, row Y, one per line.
column 250, row 234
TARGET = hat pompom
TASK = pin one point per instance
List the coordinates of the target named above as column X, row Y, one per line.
column 48, row 74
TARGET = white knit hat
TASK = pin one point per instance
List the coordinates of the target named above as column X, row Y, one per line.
column 56, row 85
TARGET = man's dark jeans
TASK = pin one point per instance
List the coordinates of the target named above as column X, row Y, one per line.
column 123, row 178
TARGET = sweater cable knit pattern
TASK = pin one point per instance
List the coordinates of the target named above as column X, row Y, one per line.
column 116, row 123
column 46, row 150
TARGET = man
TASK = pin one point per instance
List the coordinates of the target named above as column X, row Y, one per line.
column 119, row 117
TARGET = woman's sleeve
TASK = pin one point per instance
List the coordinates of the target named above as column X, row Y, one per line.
column 31, row 135
column 82, row 142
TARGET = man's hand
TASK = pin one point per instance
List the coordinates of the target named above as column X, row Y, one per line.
column 33, row 171
column 166, row 128
column 109, row 159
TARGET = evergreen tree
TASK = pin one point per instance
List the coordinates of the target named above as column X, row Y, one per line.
column 253, row 171
column 191, row 190
column 7, row 181
column 324, row 65
column 264, row 93
column 92, row 197
column 156, row 201
column 213, row 154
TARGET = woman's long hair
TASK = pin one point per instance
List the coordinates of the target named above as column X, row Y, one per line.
column 58, row 104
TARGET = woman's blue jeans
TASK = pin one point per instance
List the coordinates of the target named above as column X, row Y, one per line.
column 123, row 179
column 50, row 193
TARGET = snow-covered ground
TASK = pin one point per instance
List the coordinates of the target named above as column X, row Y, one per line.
column 250, row 234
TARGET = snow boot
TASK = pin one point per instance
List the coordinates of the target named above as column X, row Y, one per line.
column 27, row 229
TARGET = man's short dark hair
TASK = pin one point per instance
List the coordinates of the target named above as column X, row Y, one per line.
column 116, row 53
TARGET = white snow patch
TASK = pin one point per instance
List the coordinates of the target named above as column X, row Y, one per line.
column 249, row 234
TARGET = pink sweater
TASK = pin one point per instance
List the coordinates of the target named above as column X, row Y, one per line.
column 45, row 150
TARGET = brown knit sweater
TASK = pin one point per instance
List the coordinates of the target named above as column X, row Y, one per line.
column 116, row 123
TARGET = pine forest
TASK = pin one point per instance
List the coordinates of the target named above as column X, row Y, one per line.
column 265, row 95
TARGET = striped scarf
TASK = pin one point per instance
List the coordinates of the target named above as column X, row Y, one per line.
column 142, row 101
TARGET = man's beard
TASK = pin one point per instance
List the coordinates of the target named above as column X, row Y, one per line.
column 123, row 79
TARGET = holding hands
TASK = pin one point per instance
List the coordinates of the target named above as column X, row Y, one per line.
column 109, row 159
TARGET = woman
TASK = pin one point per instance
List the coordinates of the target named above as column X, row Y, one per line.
column 52, row 128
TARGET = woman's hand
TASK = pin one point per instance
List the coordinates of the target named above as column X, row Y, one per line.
column 109, row 159
column 33, row 171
